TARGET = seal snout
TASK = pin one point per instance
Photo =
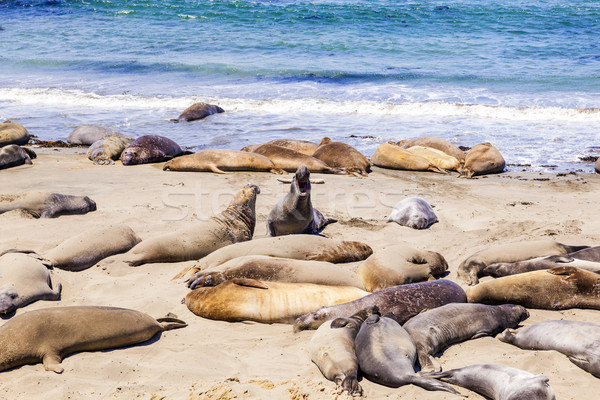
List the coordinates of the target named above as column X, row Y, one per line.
column 7, row 301
column 303, row 180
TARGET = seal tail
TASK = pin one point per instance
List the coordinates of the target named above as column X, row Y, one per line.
column 351, row 385
column 184, row 272
column 432, row 384
column 507, row 336
column 170, row 321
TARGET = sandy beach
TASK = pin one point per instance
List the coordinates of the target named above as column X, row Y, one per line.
column 221, row 360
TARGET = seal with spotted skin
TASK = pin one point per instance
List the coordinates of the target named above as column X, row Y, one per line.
column 332, row 350
column 267, row 302
column 299, row 247
column 88, row 134
column 579, row 341
column 342, row 155
column 47, row 205
column 414, row 212
column 471, row 268
column 498, row 382
column 50, row 334
column 13, row 133
column 387, row 354
column 220, row 161
column 150, row 149
column 108, row 149
column 14, row 155
column 435, row 143
column 405, row 301
column 198, row 111
column 199, row 238
column 436, row 329
column 482, row 159
column 24, row 279
column 290, row 160
column 558, row 288
column 390, row 155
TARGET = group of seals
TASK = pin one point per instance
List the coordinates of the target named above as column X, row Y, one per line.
column 414, row 212
column 47, row 205
column 290, row 160
column 390, row 155
column 108, row 149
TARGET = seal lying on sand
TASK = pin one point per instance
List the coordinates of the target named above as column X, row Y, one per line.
column 88, row 134
column 342, row 155
column 390, row 155
column 435, row 143
column 267, row 302
column 301, row 146
column 436, row 329
column 220, row 161
column 14, row 155
column 579, row 341
column 150, row 149
column 47, row 205
column 198, row 111
column 414, row 212
column 290, row 160
column 498, row 382
column 199, row 238
column 482, row 159
column 437, row 157
column 50, row 334
column 13, row 133
column 294, row 213
column 108, row 149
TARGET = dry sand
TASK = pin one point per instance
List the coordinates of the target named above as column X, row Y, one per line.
column 220, row 360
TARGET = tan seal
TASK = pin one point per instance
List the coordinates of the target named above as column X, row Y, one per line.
column 290, row 160
column 390, row 155
column 301, row 146
column 342, row 155
column 47, row 205
column 436, row 157
column 220, row 161
column 435, row 143
column 108, row 149
column 482, row 159
column 13, row 133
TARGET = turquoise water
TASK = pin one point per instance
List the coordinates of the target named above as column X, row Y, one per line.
column 523, row 75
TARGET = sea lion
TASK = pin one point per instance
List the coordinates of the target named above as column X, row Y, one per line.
column 219, row 161
column 150, row 149
column 498, row 382
column 414, row 212
column 434, row 330
column 342, row 155
column 198, row 111
column 108, row 149
column 50, row 334
column 88, row 134
column 470, row 269
column 266, row 302
column 290, row 160
column 332, row 350
column 390, row 155
column 435, row 143
column 299, row 247
column 87, row 248
column 437, row 157
column 399, row 265
column 577, row 340
column 199, row 238
column 386, row 355
column 13, row 133
column 14, row 155
column 558, row 288
column 294, row 213
column 23, row 280
column 482, row 159
column 47, row 205
column 405, row 301
column 277, row 269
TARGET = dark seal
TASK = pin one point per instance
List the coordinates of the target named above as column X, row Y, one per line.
column 150, row 149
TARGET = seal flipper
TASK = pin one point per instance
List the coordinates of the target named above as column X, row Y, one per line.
column 52, row 363
column 508, row 337
column 215, row 169
column 170, row 321
column 351, row 385
column 254, row 283
column 430, row 384
column 562, row 270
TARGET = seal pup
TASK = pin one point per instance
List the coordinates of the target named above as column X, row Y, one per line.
column 558, row 288
column 332, row 350
column 107, row 150
column 482, row 159
column 198, row 111
column 434, row 330
column 290, row 160
column 220, row 161
column 386, row 355
column 435, row 143
column 294, row 213
column 150, row 149
column 437, row 157
column 470, row 269
column 13, row 133
column 414, row 212
column 88, row 134
column 390, row 155
column 24, row 279
column 47, row 205
column 199, row 238
column 342, row 155
column 399, row 265
column 577, row 340
column 266, row 302
column 405, row 301
column 48, row 335
column 498, row 382
column 14, row 155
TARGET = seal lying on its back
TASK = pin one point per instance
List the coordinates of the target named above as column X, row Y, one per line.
column 13, row 133
column 498, row 382
column 150, row 149
column 108, row 149
column 294, row 213
column 342, row 155
column 13, row 155
column 579, row 341
column 50, row 334
column 198, row 111
column 199, row 238
column 436, row 329
column 48, row 205
column 414, row 212
column 405, row 301
column 220, row 161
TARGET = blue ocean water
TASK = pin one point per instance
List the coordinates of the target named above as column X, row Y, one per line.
column 523, row 75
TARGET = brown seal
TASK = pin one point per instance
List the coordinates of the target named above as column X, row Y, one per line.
column 301, row 146
column 390, row 155
column 13, row 133
column 482, row 159
column 198, row 111
column 220, row 161
column 435, row 143
column 47, row 205
column 342, row 155
column 290, row 160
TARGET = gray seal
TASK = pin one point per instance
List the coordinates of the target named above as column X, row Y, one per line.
column 150, row 149
column 579, row 341
column 386, row 355
column 47, row 205
column 108, row 149
column 13, row 133
column 14, row 155
column 498, row 382
column 436, row 329
column 414, row 212
column 198, row 111
column 88, row 134
column 294, row 213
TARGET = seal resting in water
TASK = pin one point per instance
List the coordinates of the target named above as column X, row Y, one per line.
column 267, row 302
column 150, row 149
column 47, row 205
column 435, row 143
column 14, row 155
column 199, row 238
column 342, row 155
column 198, row 111
column 108, row 149
column 294, row 213
column 219, row 161
column 390, row 155
column 50, row 334
column 434, row 330
column 414, row 212
column 577, row 340
column 88, row 134
column 482, row 159
column 498, row 382
column 13, row 133
column 290, row 160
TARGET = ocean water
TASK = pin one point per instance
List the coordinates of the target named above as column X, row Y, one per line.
column 523, row 75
